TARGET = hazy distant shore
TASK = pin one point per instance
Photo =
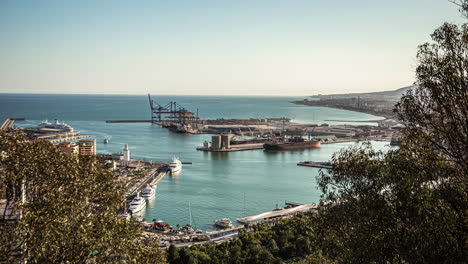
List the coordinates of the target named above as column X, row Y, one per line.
column 365, row 111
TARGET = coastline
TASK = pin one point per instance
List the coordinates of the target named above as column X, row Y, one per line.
column 377, row 114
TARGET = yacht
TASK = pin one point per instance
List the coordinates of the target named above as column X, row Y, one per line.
column 125, row 215
column 175, row 165
column 224, row 223
column 137, row 204
column 149, row 192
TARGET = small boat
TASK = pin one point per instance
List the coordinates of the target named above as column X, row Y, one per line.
column 125, row 215
column 277, row 208
column 175, row 165
column 137, row 204
column 106, row 141
column 161, row 225
column 224, row 223
column 149, row 192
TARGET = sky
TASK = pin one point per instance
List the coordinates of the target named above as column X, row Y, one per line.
column 217, row 47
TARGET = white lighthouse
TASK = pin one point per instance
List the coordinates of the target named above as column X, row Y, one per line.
column 126, row 154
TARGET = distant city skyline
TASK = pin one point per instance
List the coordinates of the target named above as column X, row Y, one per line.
column 291, row 48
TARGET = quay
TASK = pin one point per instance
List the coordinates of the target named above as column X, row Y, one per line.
column 181, row 240
column 233, row 148
column 278, row 213
column 129, row 121
column 9, row 123
column 153, row 178
column 62, row 138
column 322, row 165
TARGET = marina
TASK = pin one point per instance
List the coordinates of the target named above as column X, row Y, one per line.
column 182, row 238
column 278, row 213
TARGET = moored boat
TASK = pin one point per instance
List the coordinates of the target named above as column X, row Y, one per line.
column 62, row 127
column 224, row 223
column 175, row 165
column 137, row 204
column 149, row 192
column 125, row 215
column 292, row 143
column 161, row 225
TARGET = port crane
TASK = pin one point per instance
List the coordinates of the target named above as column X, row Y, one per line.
column 171, row 111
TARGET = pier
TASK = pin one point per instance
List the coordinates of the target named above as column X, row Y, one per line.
column 233, row 148
column 322, row 165
column 278, row 213
column 62, row 138
column 129, row 121
column 181, row 240
column 153, row 178
column 9, row 123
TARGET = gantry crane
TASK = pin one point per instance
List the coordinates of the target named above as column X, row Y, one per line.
column 171, row 111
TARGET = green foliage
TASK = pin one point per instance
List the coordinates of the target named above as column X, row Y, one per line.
column 288, row 240
column 70, row 208
column 401, row 206
column 408, row 205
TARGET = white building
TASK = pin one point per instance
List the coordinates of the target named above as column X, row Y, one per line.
column 126, row 153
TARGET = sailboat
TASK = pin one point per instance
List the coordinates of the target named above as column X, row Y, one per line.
column 189, row 228
column 243, row 213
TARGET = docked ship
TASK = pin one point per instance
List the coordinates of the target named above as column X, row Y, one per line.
column 185, row 128
column 175, row 165
column 60, row 127
column 149, row 192
column 137, row 204
column 223, row 223
column 180, row 128
column 291, row 143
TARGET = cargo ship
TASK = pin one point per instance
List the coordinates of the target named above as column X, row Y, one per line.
column 291, row 143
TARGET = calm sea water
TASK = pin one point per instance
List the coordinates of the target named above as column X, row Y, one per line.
column 215, row 183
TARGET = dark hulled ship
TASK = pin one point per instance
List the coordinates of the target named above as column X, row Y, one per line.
column 291, row 143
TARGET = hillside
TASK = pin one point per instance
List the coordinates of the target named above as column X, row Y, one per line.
column 392, row 96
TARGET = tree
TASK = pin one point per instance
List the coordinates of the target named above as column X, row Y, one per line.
column 463, row 5
column 69, row 209
column 408, row 205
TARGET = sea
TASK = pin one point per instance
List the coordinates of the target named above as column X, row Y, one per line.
column 215, row 185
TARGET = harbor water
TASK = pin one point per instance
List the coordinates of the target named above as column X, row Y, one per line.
column 217, row 185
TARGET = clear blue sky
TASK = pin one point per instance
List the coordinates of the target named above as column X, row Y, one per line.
column 214, row 47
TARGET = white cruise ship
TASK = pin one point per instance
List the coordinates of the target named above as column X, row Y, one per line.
column 149, row 192
column 56, row 125
column 175, row 165
column 137, row 204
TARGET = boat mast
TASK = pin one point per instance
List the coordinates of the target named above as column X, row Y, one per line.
column 190, row 214
column 243, row 208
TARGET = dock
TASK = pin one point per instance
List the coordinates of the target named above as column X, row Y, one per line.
column 153, row 178
column 278, row 213
column 181, row 240
column 59, row 139
column 129, row 121
column 9, row 123
column 233, row 148
column 322, row 165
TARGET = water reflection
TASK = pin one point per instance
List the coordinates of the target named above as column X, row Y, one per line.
column 175, row 176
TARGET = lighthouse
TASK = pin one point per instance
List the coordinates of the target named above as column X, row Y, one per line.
column 126, row 154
